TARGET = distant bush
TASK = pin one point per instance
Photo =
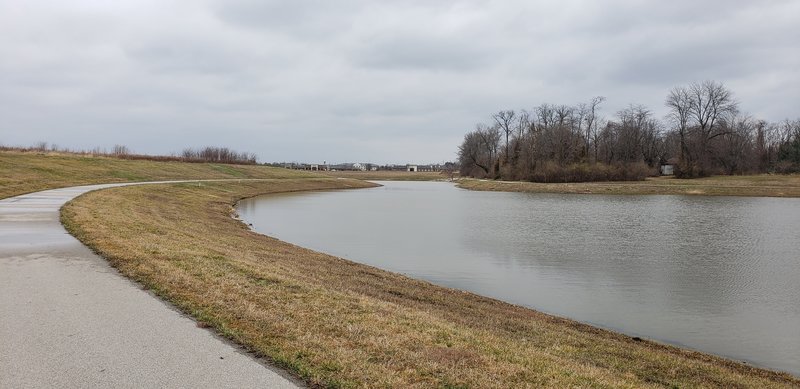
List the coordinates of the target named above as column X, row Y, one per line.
column 551, row 172
column 120, row 150
column 786, row 167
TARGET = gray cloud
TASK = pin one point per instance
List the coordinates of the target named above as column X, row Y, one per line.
column 421, row 53
column 366, row 81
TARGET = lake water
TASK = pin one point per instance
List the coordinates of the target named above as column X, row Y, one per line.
column 716, row 274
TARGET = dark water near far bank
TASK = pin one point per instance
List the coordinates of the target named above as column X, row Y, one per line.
column 717, row 274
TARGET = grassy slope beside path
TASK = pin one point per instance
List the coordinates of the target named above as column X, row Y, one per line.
column 759, row 185
column 25, row 172
column 336, row 323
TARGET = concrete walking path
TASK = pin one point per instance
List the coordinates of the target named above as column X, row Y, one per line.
column 69, row 320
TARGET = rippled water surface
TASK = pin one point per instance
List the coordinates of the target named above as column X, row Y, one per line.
column 718, row 274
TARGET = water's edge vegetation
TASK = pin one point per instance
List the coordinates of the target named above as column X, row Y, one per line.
column 764, row 185
column 336, row 323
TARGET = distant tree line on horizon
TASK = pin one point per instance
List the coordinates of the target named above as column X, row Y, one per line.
column 218, row 154
column 704, row 133
column 206, row 154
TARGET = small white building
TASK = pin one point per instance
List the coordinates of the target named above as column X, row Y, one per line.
column 411, row 168
column 667, row 170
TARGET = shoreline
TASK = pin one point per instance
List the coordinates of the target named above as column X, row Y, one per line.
column 633, row 333
column 412, row 296
column 787, row 186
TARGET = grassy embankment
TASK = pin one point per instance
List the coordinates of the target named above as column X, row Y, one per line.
column 25, row 172
column 336, row 323
column 757, row 185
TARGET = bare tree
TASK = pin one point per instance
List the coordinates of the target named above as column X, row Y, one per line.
column 709, row 102
column 764, row 145
column 524, row 123
column 545, row 116
column 479, row 150
column 588, row 115
column 789, row 153
column 678, row 102
column 735, row 150
column 505, row 120
column 634, row 124
column 563, row 114
column 120, row 150
column 697, row 110
column 653, row 144
column 40, row 146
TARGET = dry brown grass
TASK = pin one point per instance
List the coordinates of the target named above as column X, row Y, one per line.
column 25, row 172
column 758, row 185
column 336, row 323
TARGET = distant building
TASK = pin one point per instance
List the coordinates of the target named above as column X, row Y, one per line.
column 667, row 170
column 429, row 168
column 362, row 166
column 342, row 167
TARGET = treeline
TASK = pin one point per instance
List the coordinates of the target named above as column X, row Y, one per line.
column 205, row 154
column 218, row 154
column 704, row 133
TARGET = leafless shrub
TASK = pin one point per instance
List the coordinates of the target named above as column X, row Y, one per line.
column 40, row 146
column 120, row 151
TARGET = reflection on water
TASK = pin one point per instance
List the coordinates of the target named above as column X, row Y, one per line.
column 718, row 274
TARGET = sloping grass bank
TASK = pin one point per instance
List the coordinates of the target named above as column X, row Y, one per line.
column 25, row 172
column 758, row 185
column 336, row 323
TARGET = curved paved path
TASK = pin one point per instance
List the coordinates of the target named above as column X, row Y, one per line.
column 67, row 319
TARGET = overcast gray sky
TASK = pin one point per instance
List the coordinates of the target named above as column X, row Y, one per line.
column 370, row 81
